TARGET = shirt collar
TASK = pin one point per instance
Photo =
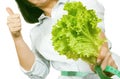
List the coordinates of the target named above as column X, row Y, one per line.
column 63, row 1
column 43, row 15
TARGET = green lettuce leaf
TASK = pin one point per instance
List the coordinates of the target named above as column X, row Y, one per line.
column 77, row 35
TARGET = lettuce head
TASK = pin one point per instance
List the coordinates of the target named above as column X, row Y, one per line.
column 77, row 35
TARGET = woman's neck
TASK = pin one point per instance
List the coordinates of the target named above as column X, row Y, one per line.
column 48, row 7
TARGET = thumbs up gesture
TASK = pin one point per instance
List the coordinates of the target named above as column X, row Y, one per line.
column 14, row 23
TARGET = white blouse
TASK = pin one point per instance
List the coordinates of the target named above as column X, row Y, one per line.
column 44, row 51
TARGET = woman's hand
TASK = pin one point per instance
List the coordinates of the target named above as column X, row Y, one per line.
column 105, row 59
column 14, row 23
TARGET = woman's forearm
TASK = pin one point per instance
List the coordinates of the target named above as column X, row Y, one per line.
column 25, row 55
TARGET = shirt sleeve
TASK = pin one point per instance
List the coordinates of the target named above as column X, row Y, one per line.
column 39, row 69
column 100, row 13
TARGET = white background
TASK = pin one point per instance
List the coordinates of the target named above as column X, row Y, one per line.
column 9, row 66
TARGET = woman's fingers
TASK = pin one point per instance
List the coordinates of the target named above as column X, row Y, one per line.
column 14, row 25
column 112, row 63
column 102, row 54
column 108, row 61
column 105, row 58
column 105, row 61
column 9, row 10
column 13, row 17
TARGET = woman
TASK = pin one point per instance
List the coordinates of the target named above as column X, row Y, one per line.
column 36, row 63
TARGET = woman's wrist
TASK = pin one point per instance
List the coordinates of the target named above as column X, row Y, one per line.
column 17, row 38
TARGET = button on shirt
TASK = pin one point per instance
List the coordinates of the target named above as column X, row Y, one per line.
column 44, row 51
